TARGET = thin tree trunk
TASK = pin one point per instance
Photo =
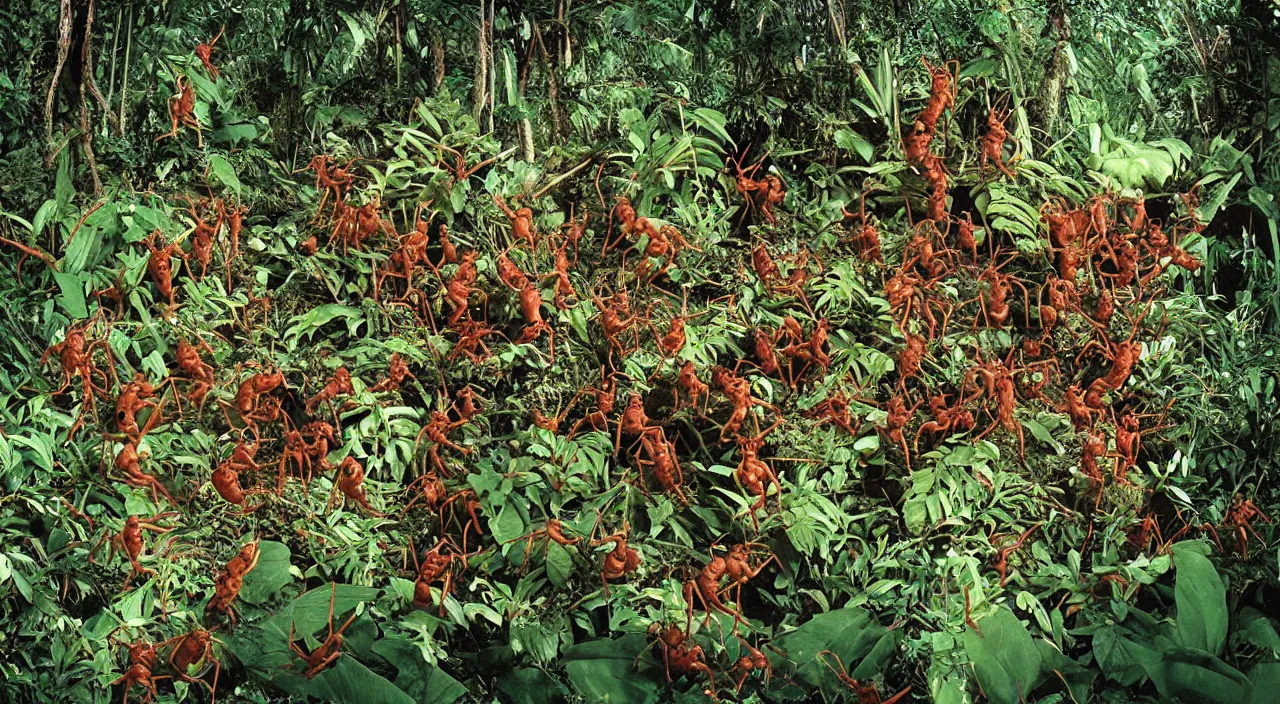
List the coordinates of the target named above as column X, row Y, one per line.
column 64, row 46
column 437, row 59
column 566, row 51
column 124, row 79
column 481, row 81
column 86, row 142
column 87, row 83
column 553, row 84
column 493, row 70
column 1048, row 101
column 87, row 77
column 115, row 48
column 525, row 128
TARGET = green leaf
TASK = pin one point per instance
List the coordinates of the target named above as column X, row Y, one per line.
column 1265, row 677
column 1077, row 677
column 309, row 613
column 1042, row 434
column 1007, row 225
column 348, row 681
column 1201, row 599
column 76, row 253
column 1115, row 661
column 862, row 645
column 507, row 526
column 867, row 444
column 713, row 121
column 1133, row 166
column 1259, row 630
column 43, row 216
column 915, row 512
column 358, row 36
column 1004, row 657
column 418, row 678
column 313, row 320
column 224, row 172
column 1191, row 675
column 851, row 141
column 1217, row 197
column 530, row 685
column 1194, row 677
column 72, row 299
column 559, row 564
column 236, row 135
column 601, row 671
column 270, row 575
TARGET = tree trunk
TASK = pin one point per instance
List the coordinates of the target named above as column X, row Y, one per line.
column 86, row 81
column 1048, row 100
column 479, row 91
column 525, row 128
column 90, row 81
column 437, row 60
column 64, row 46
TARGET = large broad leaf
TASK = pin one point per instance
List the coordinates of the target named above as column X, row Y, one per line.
column 1116, row 663
column 346, row 681
column 602, row 671
column 1257, row 629
column 559, row 564
column 1265, row 678
column 72, row 299
column 713, row 121
column 532, row 686
column 851, row 141
column 309, row 613
column 1136, row 165
column 313, row 320
column 862, row 646
column 1185, row 674
column 1201, row 599
column 272, row 573
column 418, row 678
column 1004, row 657
column 1076, row 677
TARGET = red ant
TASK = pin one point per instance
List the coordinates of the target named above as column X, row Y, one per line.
column 204, row 52
column 1002, row 559
column 993, row 141
column 867, row 693
column 330, row 648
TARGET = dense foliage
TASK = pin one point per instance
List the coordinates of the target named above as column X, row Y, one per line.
column 639, row 351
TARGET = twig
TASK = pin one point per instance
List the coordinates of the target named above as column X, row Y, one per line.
column 559, row 179
column 80, row 223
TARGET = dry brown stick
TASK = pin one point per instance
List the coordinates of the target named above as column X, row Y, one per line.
column 558, row 179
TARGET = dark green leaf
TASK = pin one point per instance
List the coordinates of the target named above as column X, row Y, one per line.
column 272, row 573
column 862, row 646
column 602, row 671
column 532, row 686
column 1201, row 599
column 1005, row 659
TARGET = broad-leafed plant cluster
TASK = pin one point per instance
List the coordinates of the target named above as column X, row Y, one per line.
column 637, row 353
